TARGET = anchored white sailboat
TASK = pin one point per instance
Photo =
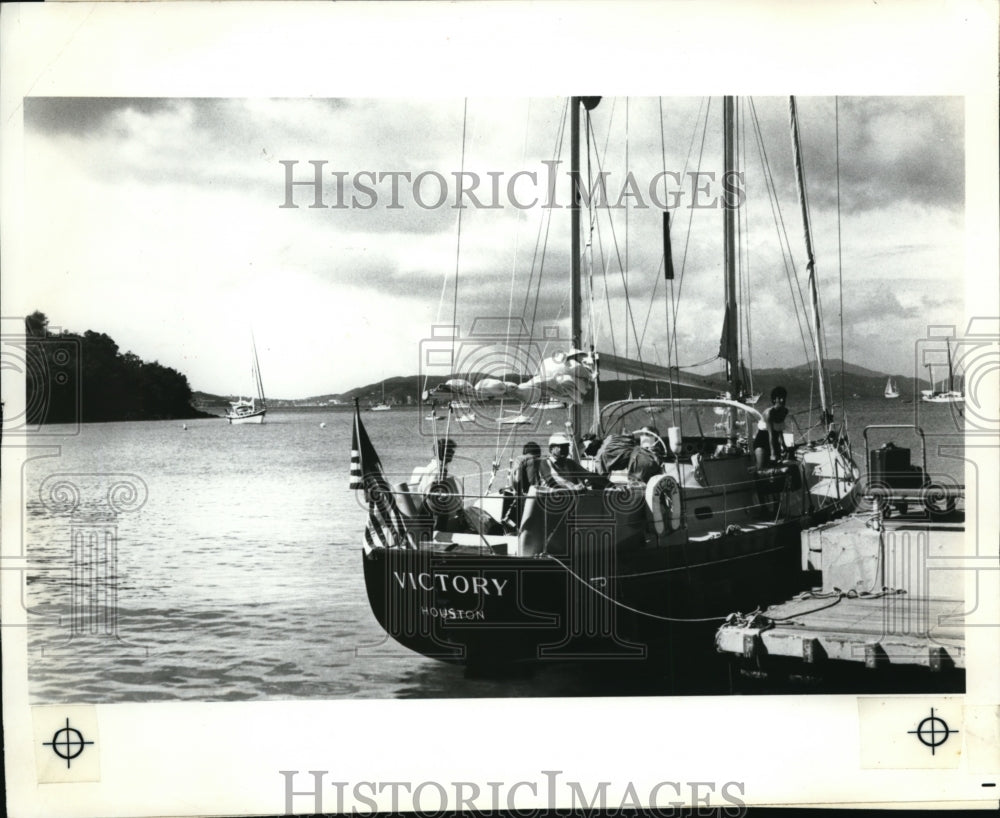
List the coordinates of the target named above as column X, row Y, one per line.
column 890, row 389
column 949, row 395
column 382, row 406
column 249, row 410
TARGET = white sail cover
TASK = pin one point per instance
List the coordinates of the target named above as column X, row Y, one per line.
column 565, row 376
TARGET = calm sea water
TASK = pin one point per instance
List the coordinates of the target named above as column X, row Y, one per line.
column 238, row 560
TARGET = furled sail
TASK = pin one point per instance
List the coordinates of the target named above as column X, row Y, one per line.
column 564, row 376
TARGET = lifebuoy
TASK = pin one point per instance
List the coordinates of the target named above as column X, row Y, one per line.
column 663, row 499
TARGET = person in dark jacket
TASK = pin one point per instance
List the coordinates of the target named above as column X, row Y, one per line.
column 769, row 444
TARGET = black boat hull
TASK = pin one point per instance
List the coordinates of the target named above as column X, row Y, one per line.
column 592, row 603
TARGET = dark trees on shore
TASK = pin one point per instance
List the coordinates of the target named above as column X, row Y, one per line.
column 74, row 378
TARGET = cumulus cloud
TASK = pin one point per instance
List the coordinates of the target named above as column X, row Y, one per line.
column 143, row 209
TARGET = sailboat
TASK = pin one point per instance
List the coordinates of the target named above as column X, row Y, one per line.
column 950, row 395
column 382, row 406
column 890, row 389
column 517, row 419
column 617, row 564
column 463, row 411
column 249, row 410
column 548, row 404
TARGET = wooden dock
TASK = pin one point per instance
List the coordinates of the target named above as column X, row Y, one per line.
column 877, row 631
column 891, row 597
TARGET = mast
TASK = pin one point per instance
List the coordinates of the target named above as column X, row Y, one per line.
column 731, row 329
column 576, row 321
column 256, row 369
column 951, row 373
column 810, row 262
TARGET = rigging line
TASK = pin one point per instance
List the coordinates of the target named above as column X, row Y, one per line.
column 745, row 270
column 778, row 217
column 628, row 306
column 517, row 234
column 513, row 268
column 625, row 270
column 501, row 449
column 784, row 243
column 840, row 269
column 595, row 223
column 545, row 241
column 556, row 153
column 611, row 120
column 574, row 188
column 589, row 251
column 652, row 301
column 668, row 290
column 779, row 223
column 821, row 329
column 700, row 363
column 687, row 239
column 607, row 290
column 605, row 262
column 663, row 257
column 458, row 238
column 672, row 304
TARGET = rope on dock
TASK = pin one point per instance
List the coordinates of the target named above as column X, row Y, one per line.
column 840, row 597
column 583, row 581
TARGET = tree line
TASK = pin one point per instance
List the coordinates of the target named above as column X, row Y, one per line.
column 73, row 378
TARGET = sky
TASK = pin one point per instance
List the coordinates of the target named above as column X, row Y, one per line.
column 160, row 221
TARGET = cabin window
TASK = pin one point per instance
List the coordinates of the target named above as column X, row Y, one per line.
column 703, row 512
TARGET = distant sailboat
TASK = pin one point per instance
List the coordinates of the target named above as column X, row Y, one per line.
column 514, row 420
column 952, row 395
column 890, row 389
column 550, row 403
column 463, row 411
column 382, row 406
column 249, row 410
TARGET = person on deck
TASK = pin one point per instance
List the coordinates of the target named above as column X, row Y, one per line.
column 437, row 470
column 524, row 471
column 523, row 475
column 559, row 470
column 436, row 493
column 770, row 440
column 647, row 458
column 590, row 445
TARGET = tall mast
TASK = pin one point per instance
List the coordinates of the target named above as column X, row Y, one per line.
column 731, row 331
column 256, row 368
column 810, row 261
column 951, row 373
column 576, row 322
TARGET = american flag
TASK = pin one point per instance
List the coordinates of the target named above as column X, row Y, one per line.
column 385, row 528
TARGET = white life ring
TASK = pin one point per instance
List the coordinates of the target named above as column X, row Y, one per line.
column 663, row 499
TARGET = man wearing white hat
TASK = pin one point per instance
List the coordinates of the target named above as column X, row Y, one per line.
column 559, row 470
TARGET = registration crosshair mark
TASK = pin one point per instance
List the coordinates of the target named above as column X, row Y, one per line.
column 935, row 727
column 68, row 747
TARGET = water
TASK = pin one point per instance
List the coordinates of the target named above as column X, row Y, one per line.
column 239, row 577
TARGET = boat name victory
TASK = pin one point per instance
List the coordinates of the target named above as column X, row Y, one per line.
column 458, row 583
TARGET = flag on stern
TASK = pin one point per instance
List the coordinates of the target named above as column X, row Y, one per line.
column 385, row 528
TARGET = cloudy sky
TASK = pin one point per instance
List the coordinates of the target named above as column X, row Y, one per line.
column 160, row 222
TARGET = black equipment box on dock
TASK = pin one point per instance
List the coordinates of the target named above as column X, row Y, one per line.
column 890, row 465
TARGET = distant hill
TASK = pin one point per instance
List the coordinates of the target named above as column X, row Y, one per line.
column 847, row 380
